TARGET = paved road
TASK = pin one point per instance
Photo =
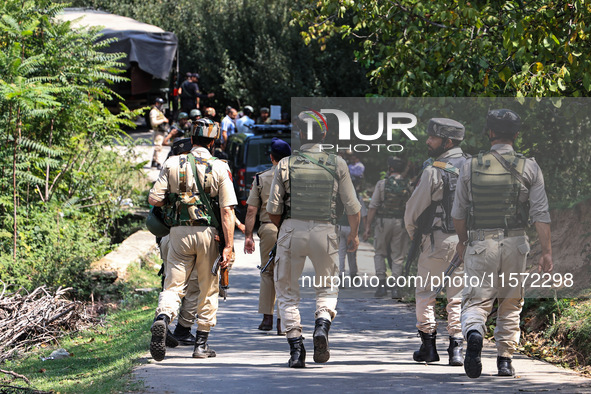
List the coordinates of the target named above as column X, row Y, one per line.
column 372, row 341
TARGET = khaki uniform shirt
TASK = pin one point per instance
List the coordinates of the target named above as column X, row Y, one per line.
column 429, row 189
column 378, row 196
column 281, row 185
column 217, row 183
column 157, row 119
column 259, row 194
column 538, row 210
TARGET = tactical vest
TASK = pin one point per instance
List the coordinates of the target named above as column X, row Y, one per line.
column 495, row 193
column 449, row 168
column 187, row 207
column 396, row 194
column 312, row 181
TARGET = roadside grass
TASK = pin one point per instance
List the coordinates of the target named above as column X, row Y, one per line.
column 559, row 331
column 103, row 356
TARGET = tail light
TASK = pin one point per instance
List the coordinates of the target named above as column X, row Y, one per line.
column 242, row 178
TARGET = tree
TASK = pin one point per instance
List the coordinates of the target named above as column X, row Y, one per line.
column 462, row 48
column 52, row 81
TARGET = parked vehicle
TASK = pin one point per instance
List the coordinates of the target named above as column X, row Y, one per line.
column 248, row 154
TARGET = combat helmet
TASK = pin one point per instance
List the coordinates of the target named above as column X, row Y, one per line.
column 155, row 222
column 446, row 128
column 503, row 122
column 206, row 128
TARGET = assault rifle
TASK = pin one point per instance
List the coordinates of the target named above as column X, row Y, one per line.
column 272, row 255
column 214, row 212
column 455, row 263
column 413, row 251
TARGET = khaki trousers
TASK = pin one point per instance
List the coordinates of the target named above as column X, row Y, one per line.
column 297, row 240
column 191, row 254
column 190, row 301
column 389, row 231
column 268, row 236
column 158, row 140
column 500, row 257
column 434, row 261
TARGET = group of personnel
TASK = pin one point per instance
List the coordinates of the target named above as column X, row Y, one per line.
column 468, row 211
column 233, row 122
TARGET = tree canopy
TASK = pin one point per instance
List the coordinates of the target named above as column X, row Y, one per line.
column 462, row 48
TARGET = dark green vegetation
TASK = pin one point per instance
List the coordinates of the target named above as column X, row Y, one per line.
column 60, row 189
column 248, row 52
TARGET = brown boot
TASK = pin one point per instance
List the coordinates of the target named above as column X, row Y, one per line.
column 267, row 323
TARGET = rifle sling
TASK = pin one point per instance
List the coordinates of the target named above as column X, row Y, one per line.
column 507, row 166
column 313, row 160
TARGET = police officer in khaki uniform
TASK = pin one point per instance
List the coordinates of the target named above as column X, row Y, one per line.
column 430, row 204
column 159, row 125
column 192, row 246
column 490, row 213
column 387, row 205
column 257, row 203
column 305, row 188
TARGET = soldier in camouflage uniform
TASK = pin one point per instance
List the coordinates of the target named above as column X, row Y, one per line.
column 498, row 192
column 192, row 246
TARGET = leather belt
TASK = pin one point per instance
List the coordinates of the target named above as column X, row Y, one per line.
column 482, row 234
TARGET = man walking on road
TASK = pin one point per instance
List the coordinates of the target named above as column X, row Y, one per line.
column 430, row 204
column 304, row 190
column 257, row 203
column 387, row 207
column 490, row 214
column 193, row 248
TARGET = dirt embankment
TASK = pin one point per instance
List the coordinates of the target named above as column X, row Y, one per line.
column 571, row 247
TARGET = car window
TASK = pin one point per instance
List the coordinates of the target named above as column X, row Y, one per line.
column 258, row 153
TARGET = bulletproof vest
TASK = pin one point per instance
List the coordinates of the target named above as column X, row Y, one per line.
column 495, row 193
column 396, row 194
column 187, row 205
column 312, row 191
column 449, row 167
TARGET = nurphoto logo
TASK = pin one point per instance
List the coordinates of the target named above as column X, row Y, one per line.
column 388, row 122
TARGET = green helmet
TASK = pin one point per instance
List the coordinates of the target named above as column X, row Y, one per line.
column 194, row 113
column 155, row 222
column 206, row 128
column 183, row 115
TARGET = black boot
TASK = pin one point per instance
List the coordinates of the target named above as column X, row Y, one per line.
column 472, row 362
column 279, row 329
column 267, row 323
column 321, row 350
column 158, row 342
column 455, row 351
column 428, row 350
column 171, row 341
column 297, row 352
column 504, row 366
column 381, row 291
column 202, row 349
column 183, row 335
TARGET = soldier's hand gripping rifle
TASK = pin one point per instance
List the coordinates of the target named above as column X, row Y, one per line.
column 224, row 283
column 455, row 263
